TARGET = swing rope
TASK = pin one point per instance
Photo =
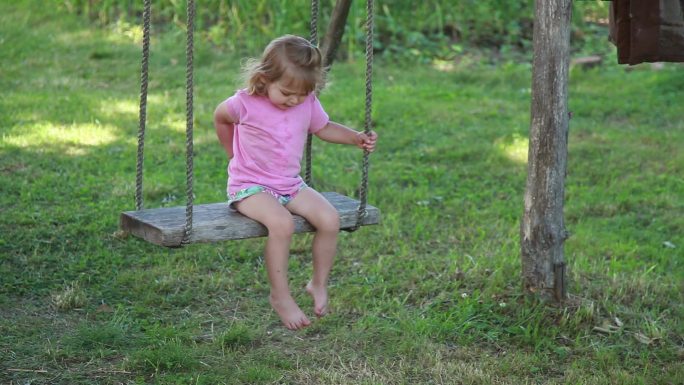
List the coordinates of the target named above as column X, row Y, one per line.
column 144, row 82
column 361, row 212
column 189, row 113
column 313, row 33
column 367, row 125
column 142, row 114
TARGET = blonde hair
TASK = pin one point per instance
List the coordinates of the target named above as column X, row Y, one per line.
column 289, row 57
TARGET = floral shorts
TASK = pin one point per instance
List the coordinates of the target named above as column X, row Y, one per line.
column 249, row 191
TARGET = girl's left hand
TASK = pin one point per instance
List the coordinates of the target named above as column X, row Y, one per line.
column 366, row 141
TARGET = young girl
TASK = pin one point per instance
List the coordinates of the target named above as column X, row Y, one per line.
column 263, row 129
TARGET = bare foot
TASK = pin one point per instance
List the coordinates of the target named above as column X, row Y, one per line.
column 290, row 314
column 320, row 297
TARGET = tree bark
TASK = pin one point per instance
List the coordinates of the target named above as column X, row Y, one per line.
column 542, row 230
column 335, row 31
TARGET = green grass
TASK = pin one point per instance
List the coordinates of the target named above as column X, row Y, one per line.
column 431, row 296
column 404, row 29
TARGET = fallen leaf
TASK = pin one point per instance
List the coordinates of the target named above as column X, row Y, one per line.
column 669, row 245
column 609, row 325
column 643, row 339
column 603, row 330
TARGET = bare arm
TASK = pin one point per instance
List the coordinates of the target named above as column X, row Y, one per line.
column 225, row 128
column 337, row 133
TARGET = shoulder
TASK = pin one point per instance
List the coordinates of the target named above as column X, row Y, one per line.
column 248, row 100
column 237, row 103
column 240, row 95
column 241, row 98
column 319, row 118
column 313, row 100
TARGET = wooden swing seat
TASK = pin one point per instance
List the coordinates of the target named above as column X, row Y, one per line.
column 216, row 222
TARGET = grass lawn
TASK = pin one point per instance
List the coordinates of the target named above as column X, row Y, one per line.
column 431, row 296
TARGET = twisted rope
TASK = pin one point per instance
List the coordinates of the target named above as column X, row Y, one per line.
column 361, row 212
column 313, row 26
column 189, row 118
column 142, row 112
column 313, row 33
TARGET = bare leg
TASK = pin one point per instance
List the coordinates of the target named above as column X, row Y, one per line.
column 265, row 209
column 324, row 217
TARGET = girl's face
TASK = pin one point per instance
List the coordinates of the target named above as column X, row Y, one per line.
column 283, row 96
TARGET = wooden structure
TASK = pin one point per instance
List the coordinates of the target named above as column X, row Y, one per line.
column 643, row 31
column 216, row 222
column 542, row 229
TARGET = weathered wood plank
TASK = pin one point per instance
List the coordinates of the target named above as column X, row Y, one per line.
column 216, row 222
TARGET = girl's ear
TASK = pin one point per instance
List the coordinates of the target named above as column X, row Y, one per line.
column 262, row 80
column 261, row 84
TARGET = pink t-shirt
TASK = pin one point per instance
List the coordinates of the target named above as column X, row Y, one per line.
column 268, row 141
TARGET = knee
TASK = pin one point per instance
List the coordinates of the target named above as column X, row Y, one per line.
column 280, row 226
column 328, row 222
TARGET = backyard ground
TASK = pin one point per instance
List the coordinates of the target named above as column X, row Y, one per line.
column 430, row 296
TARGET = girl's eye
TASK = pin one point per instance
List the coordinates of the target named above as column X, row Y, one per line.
column 287, row 93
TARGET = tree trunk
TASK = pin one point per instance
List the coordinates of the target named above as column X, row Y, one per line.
column 542, row 230
column 335, row 31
